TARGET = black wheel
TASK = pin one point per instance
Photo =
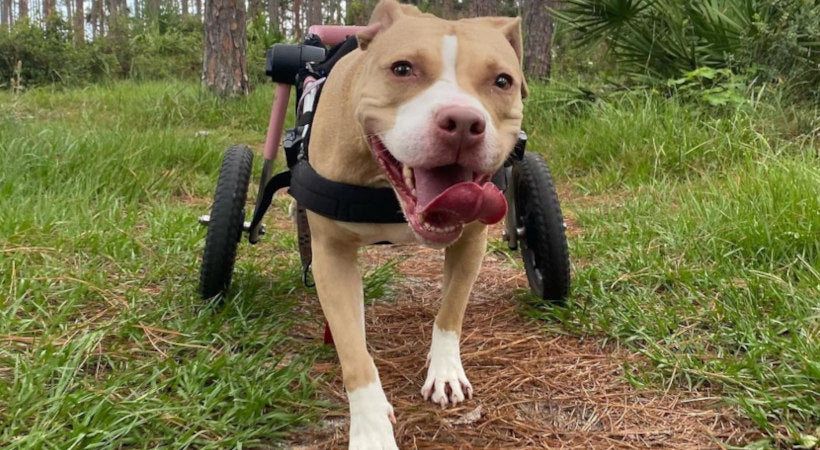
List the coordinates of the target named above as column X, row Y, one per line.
column 226, row 221
column 539, row 226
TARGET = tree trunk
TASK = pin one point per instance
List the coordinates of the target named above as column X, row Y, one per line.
column 199, row 9
column 79, row 22
column 22, row 9
column 333, row 12
column 184, row 8
column 116, row 22
column 273, row 16
column 97, row 18
column 340, row 13
column 479, row 8
column 538, row 25
column 101, row 18
column 113, row 10
column 224, row 65
column 314, row 12
column 5, row 13
column 48, row 9
column 297, row 20
column 253, row 9
column 91, row 19
column 152, row 13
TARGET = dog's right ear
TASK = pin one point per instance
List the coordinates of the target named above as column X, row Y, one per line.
column 510, row 27
column 384, row 15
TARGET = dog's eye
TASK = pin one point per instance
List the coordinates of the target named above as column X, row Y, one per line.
column 503, row 81
column 402, row 69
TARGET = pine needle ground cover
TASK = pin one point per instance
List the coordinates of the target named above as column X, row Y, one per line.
column 694, row 232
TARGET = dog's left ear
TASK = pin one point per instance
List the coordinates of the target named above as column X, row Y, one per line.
column 510, row 27
column 384, row 15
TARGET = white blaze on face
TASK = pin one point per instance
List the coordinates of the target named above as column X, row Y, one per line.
column 449, row 55
column 411, row 141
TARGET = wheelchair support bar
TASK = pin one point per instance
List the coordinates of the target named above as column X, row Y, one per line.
column 277, row 120
column 333, row 34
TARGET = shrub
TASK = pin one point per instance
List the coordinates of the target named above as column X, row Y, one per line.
column 715, row 87
column 176, row 54
column 43, row 56
column 657, row 40
column 36, row 56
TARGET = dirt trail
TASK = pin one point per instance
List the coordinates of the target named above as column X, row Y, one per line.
column 533, row 387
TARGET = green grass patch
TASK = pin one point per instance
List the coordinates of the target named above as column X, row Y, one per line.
column 103, row 339
column 698, row 245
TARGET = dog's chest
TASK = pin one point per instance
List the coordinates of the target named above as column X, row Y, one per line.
column 371, row 233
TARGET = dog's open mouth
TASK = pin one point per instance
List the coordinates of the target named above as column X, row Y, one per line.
column 438, row 201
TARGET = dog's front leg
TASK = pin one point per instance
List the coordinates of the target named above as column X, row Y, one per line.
column 339, row 285
column 462, row 261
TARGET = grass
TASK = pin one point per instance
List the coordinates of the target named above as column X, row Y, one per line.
column 103, row 340
column 698, row 245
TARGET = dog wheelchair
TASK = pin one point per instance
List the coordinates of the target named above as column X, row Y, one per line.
column 533, row 224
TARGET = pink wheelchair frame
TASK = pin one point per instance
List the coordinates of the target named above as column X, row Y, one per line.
column 330, row 35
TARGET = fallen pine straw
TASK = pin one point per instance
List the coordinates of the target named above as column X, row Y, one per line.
column 533, row 389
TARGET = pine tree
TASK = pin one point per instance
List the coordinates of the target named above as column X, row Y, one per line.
column 224, row 65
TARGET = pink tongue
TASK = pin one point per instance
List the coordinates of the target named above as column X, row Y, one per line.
column 448, row 196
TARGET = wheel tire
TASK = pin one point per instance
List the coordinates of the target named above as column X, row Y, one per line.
column 227, row 218
column 544, row 242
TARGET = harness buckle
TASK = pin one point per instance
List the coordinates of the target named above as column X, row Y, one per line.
column 292, row 143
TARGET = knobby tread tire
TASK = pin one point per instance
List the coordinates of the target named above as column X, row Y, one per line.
column 544, row 245
column 227, row 218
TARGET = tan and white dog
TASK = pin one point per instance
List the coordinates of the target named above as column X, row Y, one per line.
column 431, row 108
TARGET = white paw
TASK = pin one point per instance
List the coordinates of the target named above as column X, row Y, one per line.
column 446, row 381
column 370, row 418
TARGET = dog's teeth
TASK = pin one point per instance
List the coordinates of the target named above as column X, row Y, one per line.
column 408, row 177
column 430, row 227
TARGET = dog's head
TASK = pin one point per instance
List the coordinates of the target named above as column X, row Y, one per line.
column 440, row 102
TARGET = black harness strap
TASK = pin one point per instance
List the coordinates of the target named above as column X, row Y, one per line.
column 341, row 201
column 278, row 181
